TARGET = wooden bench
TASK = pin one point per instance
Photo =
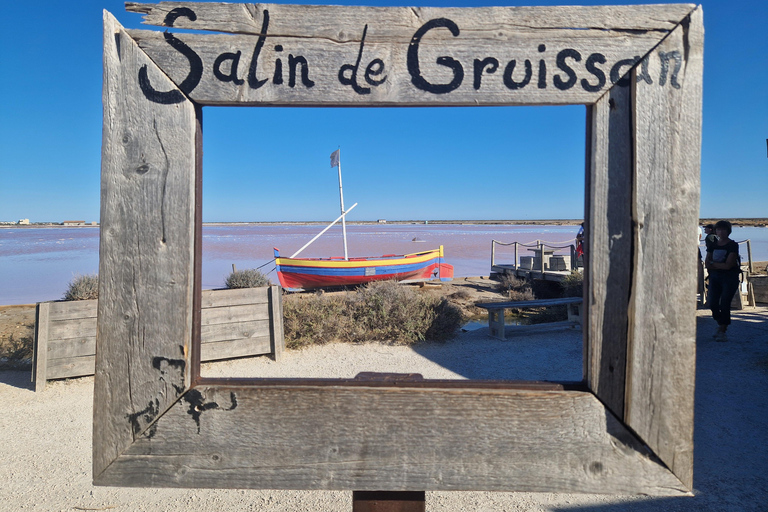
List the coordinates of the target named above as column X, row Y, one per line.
column 496, row 312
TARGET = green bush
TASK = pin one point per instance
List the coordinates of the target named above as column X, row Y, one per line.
column 248, row 278
column 382, row 311
column 83, row 288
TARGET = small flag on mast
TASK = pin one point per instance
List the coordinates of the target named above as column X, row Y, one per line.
column 335, row 158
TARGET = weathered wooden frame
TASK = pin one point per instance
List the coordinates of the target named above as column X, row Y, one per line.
column 628, row 428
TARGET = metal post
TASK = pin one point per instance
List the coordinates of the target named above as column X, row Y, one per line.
column 493, row 254
column 388, row 501
column 343, row 213
column 516, row 264
column 749, row 255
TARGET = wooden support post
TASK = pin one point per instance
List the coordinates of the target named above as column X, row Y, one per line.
column 40, row 367
column 388, row 501
column 276, row 321
column 496, row 323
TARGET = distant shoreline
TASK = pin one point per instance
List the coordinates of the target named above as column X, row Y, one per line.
column 738, row 222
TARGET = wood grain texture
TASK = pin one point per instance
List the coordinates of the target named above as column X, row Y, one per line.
column 660, row 386
column 231, row 56
column 391, row 439
column 40, row 363
column 146, row 248
column 608, row 246
column 332, row 21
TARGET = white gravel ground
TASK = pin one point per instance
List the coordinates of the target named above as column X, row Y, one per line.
column 45, row 438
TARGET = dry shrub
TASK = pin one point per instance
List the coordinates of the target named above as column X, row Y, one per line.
column 573, row 284
column 382, row 311
column 248, row 278
column 83, row 288
column 515, row 288
column 16, row 354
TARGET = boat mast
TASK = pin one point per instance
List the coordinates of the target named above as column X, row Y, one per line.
column 337, row 161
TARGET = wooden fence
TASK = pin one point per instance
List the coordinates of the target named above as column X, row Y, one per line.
column 235, row 323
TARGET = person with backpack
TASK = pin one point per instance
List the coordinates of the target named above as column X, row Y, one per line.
column 723, row 264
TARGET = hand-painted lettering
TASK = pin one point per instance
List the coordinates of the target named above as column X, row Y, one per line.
column 563, row 65
column 665, row 56
column 351, row 80
column 195, row 64
column 413, row 59
column 234, row 59
column 591, row 65
column 489, row 63
column 253, row 82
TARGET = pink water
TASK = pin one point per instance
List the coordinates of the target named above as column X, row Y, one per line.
column 37, row 263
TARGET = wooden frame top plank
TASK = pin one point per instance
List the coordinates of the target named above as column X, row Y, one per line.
column 333, row 22
column 399, row 56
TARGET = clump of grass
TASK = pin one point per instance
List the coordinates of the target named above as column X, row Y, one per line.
column 573, row 284
column 248, row 278
column 84, row 287
column 16, row 353
column 515, row 288
column 382, row 311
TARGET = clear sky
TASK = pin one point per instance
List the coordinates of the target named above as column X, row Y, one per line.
column 268, row 164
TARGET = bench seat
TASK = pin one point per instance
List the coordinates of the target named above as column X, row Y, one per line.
column 496, row 311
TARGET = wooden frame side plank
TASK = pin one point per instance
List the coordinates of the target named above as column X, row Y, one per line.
column 40, row 366
column 146, row 249
column 660, row 384
column 609, row 245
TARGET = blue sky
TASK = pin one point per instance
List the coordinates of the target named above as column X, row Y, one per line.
column 267, row 164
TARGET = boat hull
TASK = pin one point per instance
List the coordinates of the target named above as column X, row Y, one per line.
column 311, row 273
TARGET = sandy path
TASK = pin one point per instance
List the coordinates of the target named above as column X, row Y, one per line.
column 45, row 438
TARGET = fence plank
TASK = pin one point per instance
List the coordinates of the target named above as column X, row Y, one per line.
column 385, row 438
column 240, row 330
column 147, row 246
column 660, row 387
column 40, row 366
column 242, row 347
column 609, row 246
column 67, row 310
column 66, row 329
column 235, row 297
column 72, row 347
column 234, row 314
column 67, row 367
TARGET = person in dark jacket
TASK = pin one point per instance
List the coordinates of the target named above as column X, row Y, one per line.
column 722, row 262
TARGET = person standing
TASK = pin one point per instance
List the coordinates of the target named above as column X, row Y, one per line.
column 722, row 262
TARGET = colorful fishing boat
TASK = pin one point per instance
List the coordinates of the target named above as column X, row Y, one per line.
column 310, row 273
